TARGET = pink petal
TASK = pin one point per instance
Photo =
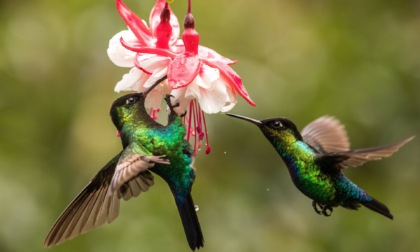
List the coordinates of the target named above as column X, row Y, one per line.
column 149, row 50
column 207, row 53
column 183, row 70
column 154, row 21
column 232, row 77
column 154, row 18
column 135, row 23
column 178, row 47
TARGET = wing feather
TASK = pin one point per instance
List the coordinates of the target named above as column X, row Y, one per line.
column 129, row 167
column 361, row 156
column 326, row 134
column 80, row 216
column 125, row 176
column 94, row 206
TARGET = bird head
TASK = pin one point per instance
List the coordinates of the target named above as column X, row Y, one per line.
column 276, row 130
column 127, row 107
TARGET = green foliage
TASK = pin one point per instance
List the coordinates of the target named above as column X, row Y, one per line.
column 356, row 60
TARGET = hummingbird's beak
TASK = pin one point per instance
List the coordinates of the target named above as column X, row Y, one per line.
column 256, row 122
column 154, row 85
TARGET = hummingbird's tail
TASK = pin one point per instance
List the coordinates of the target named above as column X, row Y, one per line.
column 378, row 207
column 190, row 222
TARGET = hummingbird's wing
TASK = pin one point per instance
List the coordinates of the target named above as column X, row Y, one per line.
column 93, row 206
column 358, row 157
column 133, row 161
column 326, row 134
column 90, row 209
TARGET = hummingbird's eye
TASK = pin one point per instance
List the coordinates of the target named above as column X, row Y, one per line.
column 130, row 100
column 276, row 124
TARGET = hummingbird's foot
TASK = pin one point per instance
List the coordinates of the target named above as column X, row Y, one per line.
column 183, row 114
column 172, row 115
column 327, row 211
column 317, row 207
column 322, row 209
column 168, row 102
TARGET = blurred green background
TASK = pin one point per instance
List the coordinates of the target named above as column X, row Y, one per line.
column 356, row 60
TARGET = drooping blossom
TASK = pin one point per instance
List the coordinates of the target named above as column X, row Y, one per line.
column 200, row 79
column 146, row 68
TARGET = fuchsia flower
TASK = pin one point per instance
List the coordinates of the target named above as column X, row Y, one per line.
column 198, row 77
column 146, row 68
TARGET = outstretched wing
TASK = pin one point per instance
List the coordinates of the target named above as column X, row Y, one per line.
column 326, row 134
column 89, row 210
column 343, row 160
column 96, row 205
column 361, row 156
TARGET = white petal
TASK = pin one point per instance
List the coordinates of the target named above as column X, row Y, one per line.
column 219, row 98
column 156, row 75
column 152, row 63
column 193, row 90
column 213, row 101
column 118, row 54
column 231, row 98
column 179, row 96
column 208, row 76
column 154, row 98
column 132, row 81
column 228, row 107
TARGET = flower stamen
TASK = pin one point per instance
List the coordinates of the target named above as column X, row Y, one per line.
column 154, row 113
column 195, row 122
column 208, row 148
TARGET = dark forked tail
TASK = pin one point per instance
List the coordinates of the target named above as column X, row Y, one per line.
column 190, row 222
column 378, row 207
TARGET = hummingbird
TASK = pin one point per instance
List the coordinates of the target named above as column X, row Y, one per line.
column 148, row 146
column 316, row 158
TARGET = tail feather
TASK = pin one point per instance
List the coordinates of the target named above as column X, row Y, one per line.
column 190, row 222
column 378, row 207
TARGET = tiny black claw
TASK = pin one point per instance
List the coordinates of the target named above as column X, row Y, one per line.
column 327, row 211
column 317, row 207
column 168, row 101
column 183, row 114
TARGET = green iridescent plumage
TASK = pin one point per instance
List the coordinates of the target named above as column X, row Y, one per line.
column 316, row 157
column 147, row 146
column 158, row 140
